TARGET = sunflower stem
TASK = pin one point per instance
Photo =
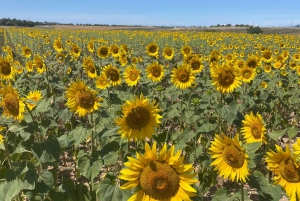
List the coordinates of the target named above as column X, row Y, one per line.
column 7, row 152
column 92, row 135
column 242, row 192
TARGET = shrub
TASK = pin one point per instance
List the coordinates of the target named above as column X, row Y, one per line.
column 254, row 30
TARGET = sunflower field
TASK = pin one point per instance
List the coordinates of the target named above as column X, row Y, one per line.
column 148, row 115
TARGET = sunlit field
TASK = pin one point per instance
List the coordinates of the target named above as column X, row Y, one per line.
column 116, row 115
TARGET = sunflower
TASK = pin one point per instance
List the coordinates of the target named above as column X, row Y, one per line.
column 140, row 117
column 114, row 50
column 26, row 52
column 57, row 45
column 168, row 53
column 264, row 85
column 33, row 97
column 103, row 52
column 113, row 74
column 159, row 176
column 267, row 68
column 247, row 74
column 240, row 64
column 253, row 128
column 225, row 78
column 81, row 99
column 296, row 57
column 155, row 72
column 183, row 76
column 39, row 63
column 196, row 64
column 75, row 51
column 132, row 75
column 152, row 50
column 29, row 66
column 293, row 65
column 253, row 62
column 230, row 158
column 186, row 50
column 267, row 56
column 102, row 82
column 7, row 71
column 122, row 58
column 12, row 104
column 89, row 67
column 90, row 46
column 285, row 167
column 1, row 136
column 60, row 57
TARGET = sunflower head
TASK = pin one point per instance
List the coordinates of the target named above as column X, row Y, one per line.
column 160, row 176
column 33, row 97
column 155, row 72
column 183, row 76
column 168, row 53
column 186, row 50
column 57, row 45
column 39, row 64
column 247, row 74
column 253, row 128
column 114, row 50
column 7, row 71
column 103, row 52
column 131, row 75
column 152, row 49
column 89, row 67
column 196, row 64
column 140, row 118
column 102, row 81
column 90, row 46
column 113, row 74
column 26, row 52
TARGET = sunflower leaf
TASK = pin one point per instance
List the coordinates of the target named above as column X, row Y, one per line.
column 292, row 131
column 228, row 112
column 277, row 134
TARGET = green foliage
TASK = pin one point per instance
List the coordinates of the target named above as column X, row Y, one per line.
column 254, row 30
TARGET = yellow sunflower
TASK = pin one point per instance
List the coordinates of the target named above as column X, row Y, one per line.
column 264, row 85
column 26, row 52
column 230, row 158
column 75, row 51
column 139, row 120
column 239, row 64
column 247, row 74
column 285, row 168
column 113, row 75
column 114, row 50
column 89, row 67
column 168, row 53
column 253, row 128
column 1, row 136
column 11, row 102
column 32, row 98
column 293, row 65
column 186, row 50
column 267, row 56
column 296, row 56
column 81, row 99
column 132, row 75
column 7, row 71
column 225, row 78
column 90, row 46
column 29, row 66
column 152, row 50
column 196, row 64
column 267, row 68
column 103, row 52
column 102, row 81
column 57, row 45
column 253, row 62
column 60, row 57
column 155, row 71
column 183, row 76
column 39, row 63
column 159, row 176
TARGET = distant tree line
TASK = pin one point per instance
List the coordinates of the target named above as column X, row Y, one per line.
column 230, row 25
column 23, row 23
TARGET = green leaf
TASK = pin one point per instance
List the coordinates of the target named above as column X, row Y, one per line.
column 111, row 132
column 220, row 195
column 252, row 148
column 108, row 191
column 228, row 112
column 79, row 134
column 8, row 190
column 111, row 158
column 276, row 134
column 43, row 105
column 47, row 177
column 88, row 167
column 292, row 131
column 206, row 128
column 16, row 128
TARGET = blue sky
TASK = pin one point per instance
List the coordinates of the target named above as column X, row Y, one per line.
column 156, row 12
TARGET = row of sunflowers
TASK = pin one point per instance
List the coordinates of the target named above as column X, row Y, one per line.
column 148, row 115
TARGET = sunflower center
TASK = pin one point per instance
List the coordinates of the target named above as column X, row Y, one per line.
column 76, row 50
column 226, row 78
column 195, row 65
column 27, row 52
column 256, row 131
column 138, row 118
column 289, row 171
column 114, row 75
column 104, row 51
column 267, row 56
column 5, row 68
column 152, row 49
column 252, row 64
column 186, row 50
column 183, row 76
column 85, row 99
column 133, row 76
column 233, row 156
column 156, row 72
column 92, row 70
column 39, row 64
column 247, row 74
column 168, row 52
column 11, row 103
column 159, row 180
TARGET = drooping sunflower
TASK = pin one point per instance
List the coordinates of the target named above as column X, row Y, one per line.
column 57, row 45
column 113, row 75
column 7, row 71
column 168, row 53
column 159, row 176
column 122, row 57
column 32, row 98
column 253, row 128
column 183, row 76
column 196, row 64
column 152, row 50
column 90, row 46
column 81, row 99
column 26, row 52
column 89, row 67
column 11, row 102
column 114, row 50
column 155, row 71
column 186, row 50
column 132, row 75
column 139, row 120
column 39, row 63
column 102, row 81
column 103, row 52
column 286, row 169
column 247, row 74
column 225, row 78
column 230, row 158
